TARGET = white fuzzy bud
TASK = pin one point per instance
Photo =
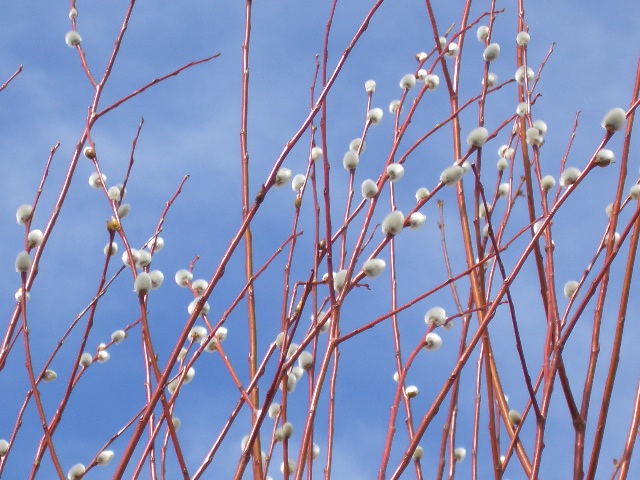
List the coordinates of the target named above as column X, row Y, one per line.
column 73, row 14
column 477, row 137
column 297, row 183
column 418, row 453
column 114, row 194
column 422, row 74
column 569, row 176
column 339, row 280
column 134, row 255
column 411, row 391
column 124, row 210
column 548, row 182
column 393, row 223
column 491, row 53
column 157, row 244
column 395, row 171
column 144, row 259
column 274, row 410
column 482, row 33
column 453, row 51
column 103, row 356
column 604, row 157
column 355, row 145
column 176, row 422
column 374, row 267
column 417, row 220
column 157, row 277
column 432, row 342
column 570, row 288
column 394, row 107
column 432, row 81
column 291, row 464
column 49, row 376
column 86, row 359
column 634, row 192
column 609, row 209
column 305, row 360
column 482, row 210
column 23, row 214
column 533, row 137
column 76, row 472
column 73, row 39
column 287, row 430
column 435, row 316
column 18, row 295
column 522, row 109
column 315, row 451
column 316, row 153
column 541, row 126
column 111, row 249
column 514, row 417
column 503, row 190
column 519, row 76
column 350, row 160
column 199, row 286
column 459, row 454
column 492, row 80
column 421, row 194
column 198, row 333
column 183, row 277
column 451, row 175
column 94, row 180
column 4, row 447
column 421, row 56
column 191, row 373
column 105, row 458
column 502, row 165
column 118, row 336
column 523, row 39
column 23, row 262
column 408, row 81
column 375, row 116
column 194, row 303
column 34, row 238
column 282, row 177
column 370, row 86
column 142, row 284
column 614, row 120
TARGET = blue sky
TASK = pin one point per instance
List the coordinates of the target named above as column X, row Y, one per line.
column 191, row 125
